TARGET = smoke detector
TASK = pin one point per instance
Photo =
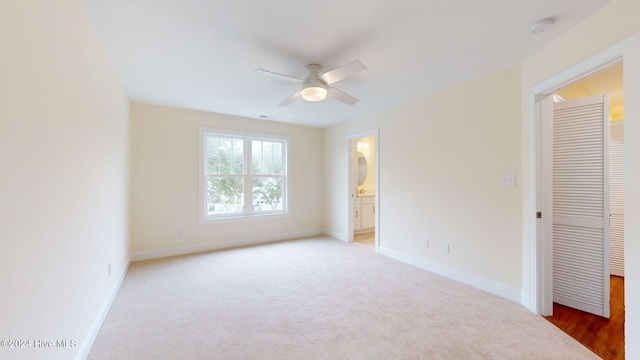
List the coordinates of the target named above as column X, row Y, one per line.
column 541, row 26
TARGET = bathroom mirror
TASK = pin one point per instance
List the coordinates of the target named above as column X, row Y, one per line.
column 362, row 168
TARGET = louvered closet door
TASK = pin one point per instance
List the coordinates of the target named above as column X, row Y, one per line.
column 616, row 184
column 581, row 204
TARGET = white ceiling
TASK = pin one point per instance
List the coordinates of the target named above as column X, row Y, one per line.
column 200, row 54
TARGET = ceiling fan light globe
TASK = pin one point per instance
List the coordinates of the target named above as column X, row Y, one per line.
column 314, row 93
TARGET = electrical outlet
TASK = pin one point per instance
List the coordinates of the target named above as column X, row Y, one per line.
column 508, row 180
column 180, row 233
column 445, row 248
column 108, row 270
column 425, row 243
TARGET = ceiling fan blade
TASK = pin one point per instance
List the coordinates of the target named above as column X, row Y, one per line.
column 342, row 72
column 341, row 96
column 297, row 95
column 278, row 76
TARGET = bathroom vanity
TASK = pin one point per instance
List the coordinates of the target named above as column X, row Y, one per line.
column 364, row 210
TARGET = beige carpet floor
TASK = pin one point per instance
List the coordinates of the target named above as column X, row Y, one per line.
column 315, row 298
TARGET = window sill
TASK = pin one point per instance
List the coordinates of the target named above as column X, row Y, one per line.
column 240, row 218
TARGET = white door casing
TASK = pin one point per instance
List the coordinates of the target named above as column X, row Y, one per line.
column 577, row 180
column 545, row 198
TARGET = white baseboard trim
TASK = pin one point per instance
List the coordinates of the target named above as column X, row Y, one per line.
column 524, row 300
column 335, row 235
column 157, row 254
column 92, row 334
column 492, row 287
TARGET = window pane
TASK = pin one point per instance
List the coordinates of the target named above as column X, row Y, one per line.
column 267, row 157
column 278, row 164
column 267, row 193
column 225, row 195
column 225, row 155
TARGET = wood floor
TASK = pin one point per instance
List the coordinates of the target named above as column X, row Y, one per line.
column 367, row 239
column 603, row 336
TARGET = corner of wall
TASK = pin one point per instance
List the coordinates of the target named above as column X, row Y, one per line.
column 87, row 343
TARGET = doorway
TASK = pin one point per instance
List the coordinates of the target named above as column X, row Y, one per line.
column 363, row 188
column 580, row 157
column 606, row 80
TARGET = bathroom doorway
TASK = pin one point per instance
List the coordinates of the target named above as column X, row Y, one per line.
column 364, row 189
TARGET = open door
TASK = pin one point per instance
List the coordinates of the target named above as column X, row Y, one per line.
column 616, row 184
column 578, row 182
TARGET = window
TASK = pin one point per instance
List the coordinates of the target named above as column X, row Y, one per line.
column 242, row 175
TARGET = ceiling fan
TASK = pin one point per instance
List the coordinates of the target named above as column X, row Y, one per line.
column 315, row 87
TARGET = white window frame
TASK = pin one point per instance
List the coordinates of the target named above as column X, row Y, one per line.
column 247, row 211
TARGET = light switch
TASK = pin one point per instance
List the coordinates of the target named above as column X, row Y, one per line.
column 445, row 248
column 508, row 180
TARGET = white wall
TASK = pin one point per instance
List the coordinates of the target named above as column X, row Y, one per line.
column 64, row 172
column 609, row 26
column 164, row 182
column 440, row 159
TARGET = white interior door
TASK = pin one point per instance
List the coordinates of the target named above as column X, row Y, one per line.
column 581, row 204
column 616, row 184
